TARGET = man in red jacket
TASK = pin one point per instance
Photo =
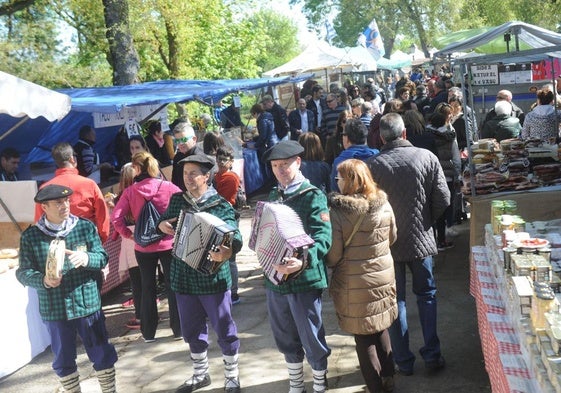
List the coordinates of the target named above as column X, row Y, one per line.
column 87, row 200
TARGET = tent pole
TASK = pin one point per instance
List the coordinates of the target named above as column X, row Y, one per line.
column 469, row 138
column 9, row 213
column 555, row 98
column 15, row 127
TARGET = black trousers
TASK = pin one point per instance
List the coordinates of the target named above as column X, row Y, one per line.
column 136, row 288
column 148, row 263
column 375, row 358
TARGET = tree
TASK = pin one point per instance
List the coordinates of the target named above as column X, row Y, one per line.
column 278, row 35
column 122, row 53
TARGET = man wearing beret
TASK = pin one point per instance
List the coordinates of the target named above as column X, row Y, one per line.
column 69, row 300
column 201, row 296
column 295, row 306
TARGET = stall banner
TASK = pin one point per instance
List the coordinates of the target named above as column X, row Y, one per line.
column 507, row 74
column 546, row 70
column 524, row 73
column 510, row 74
column 484, row 74
column 139, row 113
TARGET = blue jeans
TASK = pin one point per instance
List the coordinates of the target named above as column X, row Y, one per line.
column 424, row 287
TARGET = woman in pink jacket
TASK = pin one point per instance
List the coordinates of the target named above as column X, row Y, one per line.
column 148, row 186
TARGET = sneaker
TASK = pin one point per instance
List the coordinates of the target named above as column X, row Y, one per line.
column 149, row 340
column 129, row 303
column 133, row 323
column 232, row 385
column 445, row 245
column 435, row 365
column 177, row 338
column 192, row 384
column 236, row 299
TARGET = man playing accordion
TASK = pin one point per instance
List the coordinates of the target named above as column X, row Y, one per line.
column 199, row 295
column 295, row 306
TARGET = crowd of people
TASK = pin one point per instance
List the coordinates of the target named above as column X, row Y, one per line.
column 344, row 162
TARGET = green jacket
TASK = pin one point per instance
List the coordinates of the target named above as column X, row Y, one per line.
column 312, row 208
column 185, row 279
column 78, row 295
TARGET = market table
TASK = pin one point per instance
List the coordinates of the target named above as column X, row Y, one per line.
column 504, row 359
column 539, row 204
column 253, row 171
column 23, row 335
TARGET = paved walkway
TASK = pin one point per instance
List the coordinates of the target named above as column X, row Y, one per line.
column 161, row 366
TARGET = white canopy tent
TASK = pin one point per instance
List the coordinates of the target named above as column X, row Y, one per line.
column 317, row 56
column 21, row 98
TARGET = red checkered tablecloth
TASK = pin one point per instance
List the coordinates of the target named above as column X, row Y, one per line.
column 504, row 362
column 111, row 271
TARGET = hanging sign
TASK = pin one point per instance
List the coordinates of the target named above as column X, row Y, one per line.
column 132, row 127
column 139, row 112
column 484, row 74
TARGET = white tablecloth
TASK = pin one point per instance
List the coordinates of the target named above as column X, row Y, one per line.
column 23, row 335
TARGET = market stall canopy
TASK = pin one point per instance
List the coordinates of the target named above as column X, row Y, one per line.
column 36, row 137
column 21, row 98
column 317, row 56
column 491, row 40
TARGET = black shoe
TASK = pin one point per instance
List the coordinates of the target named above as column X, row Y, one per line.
column 235, row 385
column 387, row 384
column 435, row 365
column 190, row 385
column 403, row 371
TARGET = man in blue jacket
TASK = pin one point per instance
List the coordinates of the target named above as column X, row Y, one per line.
column 354, row 142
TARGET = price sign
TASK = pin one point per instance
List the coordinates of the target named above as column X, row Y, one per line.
column 132, row 127
column 484, row 74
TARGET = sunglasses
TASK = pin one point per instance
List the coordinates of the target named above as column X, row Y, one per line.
column 183, row 140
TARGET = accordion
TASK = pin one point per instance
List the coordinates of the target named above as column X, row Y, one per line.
column 277, row 233
column 55, row 259
column 198, row 233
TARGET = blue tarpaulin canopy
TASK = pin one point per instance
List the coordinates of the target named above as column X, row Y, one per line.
column 35, row 138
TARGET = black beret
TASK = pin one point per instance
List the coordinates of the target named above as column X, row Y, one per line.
column 200, row 159
column 51, row 192
column 283, row 150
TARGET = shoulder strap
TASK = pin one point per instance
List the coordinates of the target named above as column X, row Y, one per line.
column 301, row 192
column 355, row 230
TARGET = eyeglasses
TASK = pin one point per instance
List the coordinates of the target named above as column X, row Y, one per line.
column 331, row 100
column 192, row 175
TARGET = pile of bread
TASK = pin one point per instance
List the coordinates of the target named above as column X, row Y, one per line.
column 511, row 165
column 8, row 259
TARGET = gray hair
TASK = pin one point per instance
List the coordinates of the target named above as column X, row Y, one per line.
column 184, row 128
column 391, row 127
column 456, row 92
column 366, row 107
column 503, row 108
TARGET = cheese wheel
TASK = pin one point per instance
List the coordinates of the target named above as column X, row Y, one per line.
column 8, row 253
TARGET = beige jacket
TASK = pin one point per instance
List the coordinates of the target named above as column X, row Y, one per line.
column 363, row 279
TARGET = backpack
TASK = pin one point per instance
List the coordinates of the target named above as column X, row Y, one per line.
column 145, row 229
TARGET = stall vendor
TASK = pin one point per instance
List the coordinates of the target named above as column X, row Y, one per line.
column 9, row 163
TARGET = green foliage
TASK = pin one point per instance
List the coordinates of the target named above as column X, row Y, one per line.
column 277, row 36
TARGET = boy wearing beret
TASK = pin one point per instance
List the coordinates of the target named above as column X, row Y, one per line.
column 69, row 300
column 295, row 306
column 200, row 296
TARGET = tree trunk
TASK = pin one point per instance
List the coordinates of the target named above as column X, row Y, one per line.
column 122, row 53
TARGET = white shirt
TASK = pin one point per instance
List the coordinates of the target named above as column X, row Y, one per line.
column 304, row 120
column 320, row 111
